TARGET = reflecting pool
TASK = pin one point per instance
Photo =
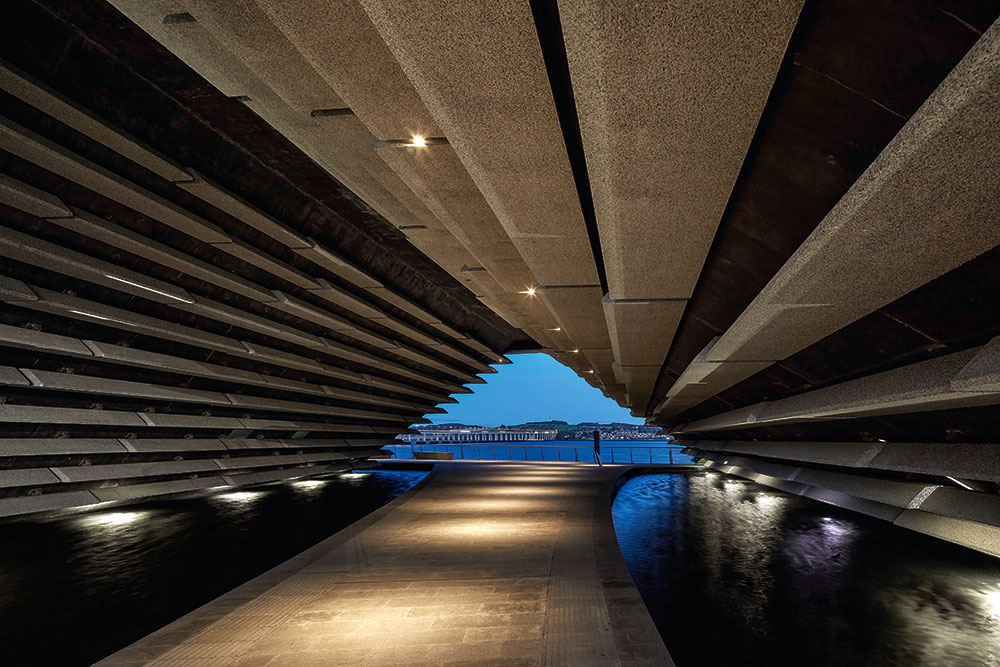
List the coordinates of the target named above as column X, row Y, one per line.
column 76, row 588
column 736, row 574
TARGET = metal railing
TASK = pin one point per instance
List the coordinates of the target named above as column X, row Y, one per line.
column 652, row 454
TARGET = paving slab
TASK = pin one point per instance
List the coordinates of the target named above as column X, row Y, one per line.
column 480, row 564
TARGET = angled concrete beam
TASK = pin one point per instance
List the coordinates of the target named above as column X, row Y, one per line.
column 925, row 206
column 959, row 380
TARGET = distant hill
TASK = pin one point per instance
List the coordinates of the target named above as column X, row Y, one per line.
column 581, row 431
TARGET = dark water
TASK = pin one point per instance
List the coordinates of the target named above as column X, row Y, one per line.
column 76, row 588
column 736, row 574
column 612, row 451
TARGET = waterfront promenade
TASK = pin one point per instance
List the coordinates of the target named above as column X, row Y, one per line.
column 481, row 564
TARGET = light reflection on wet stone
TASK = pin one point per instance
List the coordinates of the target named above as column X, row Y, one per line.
column 737, row 574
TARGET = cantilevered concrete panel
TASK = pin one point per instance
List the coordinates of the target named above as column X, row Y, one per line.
column 489, row 92
column 668, row 95
column 641, row 331
column 925, row 206
column 928, row 385
column 579, row 312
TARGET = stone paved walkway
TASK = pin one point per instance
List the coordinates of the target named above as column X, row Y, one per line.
column 481, row 564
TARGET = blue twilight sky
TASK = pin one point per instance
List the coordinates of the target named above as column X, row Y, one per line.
column 534, row 388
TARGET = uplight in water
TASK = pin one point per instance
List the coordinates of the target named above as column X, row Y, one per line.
column 355, row 475
column 767, row 502
column 992, row 600
column 113, row 518
column 309, row 483
column 240, row 496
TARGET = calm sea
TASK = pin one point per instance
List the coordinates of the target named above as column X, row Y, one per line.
column 612, row 451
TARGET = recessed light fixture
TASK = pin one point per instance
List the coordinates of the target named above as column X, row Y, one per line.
column 556, row 329
column 530, row 291
column 575, row 351
column 961, row 484
column 148, row 289
column 416, row 141
column 101, row 317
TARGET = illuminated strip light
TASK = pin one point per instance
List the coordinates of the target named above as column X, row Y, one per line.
column 102, row 317
column 961, row 484
column 149, row 289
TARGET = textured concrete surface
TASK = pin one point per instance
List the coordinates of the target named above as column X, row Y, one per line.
column 959, row 380
column 924, row 207
column 669, row 95
column 482, row 564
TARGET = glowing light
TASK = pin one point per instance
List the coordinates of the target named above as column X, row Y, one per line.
column 355, row 475
column 148, row 289
column 101, row 317
column 961, row 484
column 767, row 502
column 530, row 291
column 113, row 518
column 992, row 600
column 575, row 351
column 417, row 141
column 240, row 496
column 309, row 483
column 555, row 329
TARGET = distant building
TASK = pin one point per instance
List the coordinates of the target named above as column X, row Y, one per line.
column 456, row 435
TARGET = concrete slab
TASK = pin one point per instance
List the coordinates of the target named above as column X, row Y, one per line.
column 483, row 563
column 668, row 95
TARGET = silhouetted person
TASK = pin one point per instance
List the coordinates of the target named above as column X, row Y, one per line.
column 597, row 447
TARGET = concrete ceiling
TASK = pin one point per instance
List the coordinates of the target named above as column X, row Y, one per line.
column 610, row 250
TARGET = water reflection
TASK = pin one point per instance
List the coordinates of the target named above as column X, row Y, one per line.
column 737, row 574
column 241, row 497
column 76, row 588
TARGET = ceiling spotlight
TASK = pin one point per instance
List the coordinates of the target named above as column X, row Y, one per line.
column 556, row 329
column 530, row 291
column 417, row 141
column 575, row 351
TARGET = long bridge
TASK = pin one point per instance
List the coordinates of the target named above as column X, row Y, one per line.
column 445, row 436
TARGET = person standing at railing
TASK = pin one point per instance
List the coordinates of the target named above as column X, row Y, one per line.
column 597, row 448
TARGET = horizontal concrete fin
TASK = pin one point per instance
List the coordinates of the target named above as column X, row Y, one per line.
column 45, row 502
column 867, row 506
column 172, row 444
column 141, row 246
column 209, row 191
column 137, row 491
column 976, row 536
column 898, row 494
column 29, row 199
column 965, row 505
column 96, row 385
column 919, row 387
column 31, row 414
column 113, row 471
column 59, row 446
column 260, row 461
column 964, row 460
column 27, row 477
column 48, row 155
column 30, row 339
column 40, row 96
